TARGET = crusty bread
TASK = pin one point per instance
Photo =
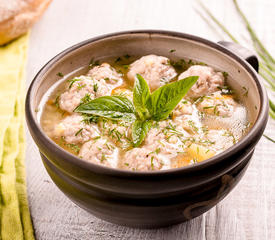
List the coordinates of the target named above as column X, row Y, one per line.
column 17, row 16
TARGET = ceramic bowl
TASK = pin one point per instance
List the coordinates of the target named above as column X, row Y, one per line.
column 155, row 198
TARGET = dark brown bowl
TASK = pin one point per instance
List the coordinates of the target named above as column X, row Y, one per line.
column 154, row 198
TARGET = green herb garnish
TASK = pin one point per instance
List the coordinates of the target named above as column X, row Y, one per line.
column 56, row 101
column 139, row 131
column 79, row 132
column 125, row 66
column 118, row 60
column 60, row 74
column 112, row 107
column 225, row 75
column 75, row 148
column 95, row 87
column 93, row 63
column 86, row 98
column 72, row 81
column 145, row 108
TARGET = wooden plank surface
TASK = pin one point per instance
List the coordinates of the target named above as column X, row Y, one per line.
column 247, row 213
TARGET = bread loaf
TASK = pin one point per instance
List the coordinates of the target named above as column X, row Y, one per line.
column 17, row 16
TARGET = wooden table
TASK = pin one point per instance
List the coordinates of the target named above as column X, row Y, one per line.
column 247, row 213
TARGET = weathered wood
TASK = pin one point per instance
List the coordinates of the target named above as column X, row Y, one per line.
column 247, row 213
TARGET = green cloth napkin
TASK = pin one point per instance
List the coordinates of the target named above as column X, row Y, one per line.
column 15, row 220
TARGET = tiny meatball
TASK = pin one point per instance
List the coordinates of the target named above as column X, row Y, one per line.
column 217, row 104
column 105, row 72
column 100, row 81
column 207, row 83
column 99, row 151
column 154, row 69
column 184, row 107
column 73, row 130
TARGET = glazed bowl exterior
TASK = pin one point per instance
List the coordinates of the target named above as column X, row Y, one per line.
column 154, row 198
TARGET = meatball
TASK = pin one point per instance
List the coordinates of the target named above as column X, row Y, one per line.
column 154, row 69
column 101, row 80
column 217, row 104
column 207, row 83
column 74, row 130
column 81, row 86
column 159, row 146
column 105, row 72
column 99, row 151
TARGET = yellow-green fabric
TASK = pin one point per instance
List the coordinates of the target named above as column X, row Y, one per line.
column 15, row 220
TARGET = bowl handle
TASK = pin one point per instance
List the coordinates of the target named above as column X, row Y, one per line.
column 242, row 52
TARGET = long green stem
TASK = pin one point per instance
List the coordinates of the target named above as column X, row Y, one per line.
column 265, row 60
column 271, row 86
column 272, row 106
column 252, row 33
column 271, row 74
column 272, row 114
column 269, row 138
column 217, row 22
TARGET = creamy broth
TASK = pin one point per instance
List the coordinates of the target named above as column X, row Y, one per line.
column 208, row 120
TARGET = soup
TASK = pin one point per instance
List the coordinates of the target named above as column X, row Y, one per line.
column 129, row 113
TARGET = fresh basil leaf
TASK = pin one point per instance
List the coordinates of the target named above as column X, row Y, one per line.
column 112, row 107
column 163, row 100
column 141, row 94
column 139, row 131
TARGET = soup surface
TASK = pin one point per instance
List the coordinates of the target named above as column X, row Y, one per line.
column 205, row 122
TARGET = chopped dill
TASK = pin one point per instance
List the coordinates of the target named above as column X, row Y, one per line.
column 79, row 132
column 75, row 148
column 56, row 101
column 208, row 107
column 87, row 98
column 225, row 75
column 60, row 74
column 118, row 60
column 193, row 126
column 95, row 87
column 152, row 162
column 126, row 66
column 96, row 138
column 103, row 157
column 72, row 81
column 93, row 63
column 80, row 86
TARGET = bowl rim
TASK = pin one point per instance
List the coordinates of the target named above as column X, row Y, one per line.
column 248, row 139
